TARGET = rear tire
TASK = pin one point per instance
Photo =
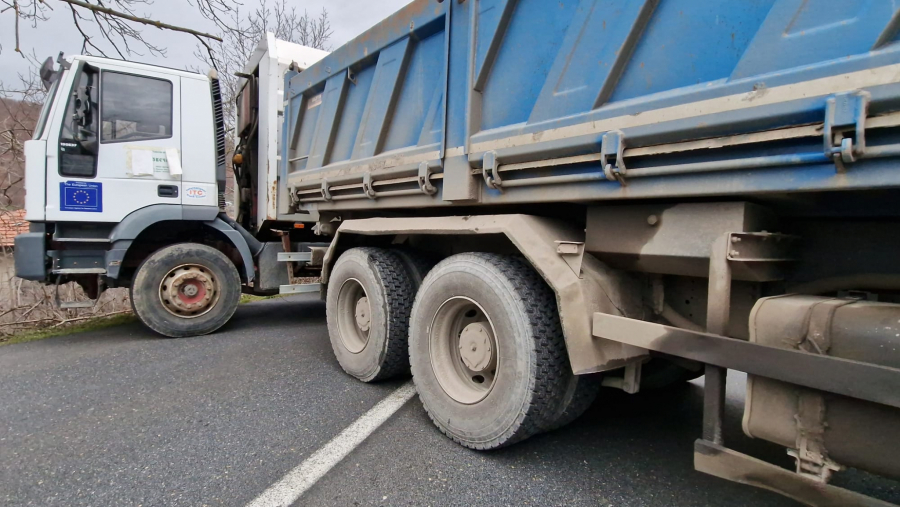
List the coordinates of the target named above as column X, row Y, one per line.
column 487, row 351
column 580, row 394
column 186, row 289
column 416, row 263
column 370, row 296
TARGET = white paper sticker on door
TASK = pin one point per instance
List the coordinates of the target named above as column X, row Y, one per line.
column 153, row 162
column 141, row 162
column 173, row 161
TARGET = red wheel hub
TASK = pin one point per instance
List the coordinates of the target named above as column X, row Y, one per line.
column 192, row 291
column 189, row 290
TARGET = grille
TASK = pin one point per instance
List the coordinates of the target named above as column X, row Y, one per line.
column 219, row 118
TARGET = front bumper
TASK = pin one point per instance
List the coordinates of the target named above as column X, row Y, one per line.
column 31, row 254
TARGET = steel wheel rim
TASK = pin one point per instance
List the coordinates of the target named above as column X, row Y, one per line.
column 354, row 315
column 189, row 291
column 463, row 350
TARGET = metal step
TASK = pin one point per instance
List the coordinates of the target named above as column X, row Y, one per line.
column 79, row 271
column 300, row 288
column 82, row 240
column 67, row 305
column 294, row 256
column 89, row 303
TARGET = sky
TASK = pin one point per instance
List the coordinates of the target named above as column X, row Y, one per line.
column 349, row 18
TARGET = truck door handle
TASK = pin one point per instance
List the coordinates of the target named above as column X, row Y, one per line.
column 167, row 191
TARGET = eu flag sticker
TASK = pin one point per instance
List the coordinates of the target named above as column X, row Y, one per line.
column 83, row 196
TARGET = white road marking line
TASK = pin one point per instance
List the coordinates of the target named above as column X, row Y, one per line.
column 287, row 490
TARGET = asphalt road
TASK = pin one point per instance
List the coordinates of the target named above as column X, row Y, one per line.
column 121, row 417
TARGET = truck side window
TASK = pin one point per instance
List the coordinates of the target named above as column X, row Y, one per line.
column 134, row 108
column 78, row 136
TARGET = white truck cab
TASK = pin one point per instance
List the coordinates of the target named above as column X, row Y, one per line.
column 121, row 136
column 125, row 186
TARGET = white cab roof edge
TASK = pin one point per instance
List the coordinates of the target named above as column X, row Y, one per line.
column 139, row 66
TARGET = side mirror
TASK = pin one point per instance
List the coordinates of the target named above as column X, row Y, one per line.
column 47, row 74
column 83, row 110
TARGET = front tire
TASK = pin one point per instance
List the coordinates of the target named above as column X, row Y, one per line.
column 487, row 351
column 186, row 289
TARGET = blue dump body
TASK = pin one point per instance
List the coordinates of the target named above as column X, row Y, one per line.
column 481, row 102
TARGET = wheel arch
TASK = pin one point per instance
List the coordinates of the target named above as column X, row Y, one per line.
column 146, row 230
column 582, row 284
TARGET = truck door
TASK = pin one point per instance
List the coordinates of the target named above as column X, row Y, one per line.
column 119, row 145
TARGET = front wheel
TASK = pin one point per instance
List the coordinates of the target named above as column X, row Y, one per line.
column 186, row 289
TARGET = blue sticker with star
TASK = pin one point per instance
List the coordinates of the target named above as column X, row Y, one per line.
column 85, row 196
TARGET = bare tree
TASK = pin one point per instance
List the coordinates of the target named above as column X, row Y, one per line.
column 113, row 21
column 240, row 36
column 19, row 107
column 242, row 32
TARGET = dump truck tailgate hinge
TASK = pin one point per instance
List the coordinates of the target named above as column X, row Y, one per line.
column 612, row 149
column 845, row 113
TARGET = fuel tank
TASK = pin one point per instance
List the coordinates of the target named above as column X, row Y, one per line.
column 824, row 431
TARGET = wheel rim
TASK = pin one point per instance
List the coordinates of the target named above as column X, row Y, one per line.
column 464, row 353
column 189, row 291
column 354, row 315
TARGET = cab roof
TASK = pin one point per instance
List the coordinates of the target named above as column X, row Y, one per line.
column 138, row 66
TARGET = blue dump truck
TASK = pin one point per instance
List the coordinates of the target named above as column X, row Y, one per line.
column 522, row 201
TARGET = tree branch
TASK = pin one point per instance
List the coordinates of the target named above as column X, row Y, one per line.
column 16, row 9
column 129, row 17
column 86, row 38
column 209, row 52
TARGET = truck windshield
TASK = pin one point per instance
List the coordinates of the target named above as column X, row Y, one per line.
column 45, row 109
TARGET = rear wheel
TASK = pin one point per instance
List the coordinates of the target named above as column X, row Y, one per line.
column 580, row 394
column 370, row 295
column 486, row 349
column 416, row 263
column 186, row 289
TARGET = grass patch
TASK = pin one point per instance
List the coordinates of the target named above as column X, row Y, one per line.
column 247, row 298
column 94, row 324
column 86, row 325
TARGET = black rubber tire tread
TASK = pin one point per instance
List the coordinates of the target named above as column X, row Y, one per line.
column 144, row 290
column 417, row 264
column 549, row 366
column 398, row 293
column 580, row 395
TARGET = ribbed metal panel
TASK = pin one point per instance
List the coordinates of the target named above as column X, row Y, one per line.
column 219, row 117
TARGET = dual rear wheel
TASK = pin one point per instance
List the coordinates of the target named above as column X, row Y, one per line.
column 370, row 297
column 480, row 332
